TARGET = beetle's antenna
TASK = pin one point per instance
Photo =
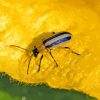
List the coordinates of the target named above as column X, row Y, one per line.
column 29, row 63
column 19, row 47
column 25, row 50
column 71, row 50
column 40, row 63
column 52, row 57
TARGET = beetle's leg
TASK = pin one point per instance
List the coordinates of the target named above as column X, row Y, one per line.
column 29, row 63
column 71, row 50
column 52, row 57
column 40, row 63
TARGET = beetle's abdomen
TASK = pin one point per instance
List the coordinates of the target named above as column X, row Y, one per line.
column 57, row 39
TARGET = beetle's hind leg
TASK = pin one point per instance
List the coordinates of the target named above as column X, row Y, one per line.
column 71, row 50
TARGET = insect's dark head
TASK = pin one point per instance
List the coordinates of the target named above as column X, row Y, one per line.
column 35, row 51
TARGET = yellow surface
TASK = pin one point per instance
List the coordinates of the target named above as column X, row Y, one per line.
column 25, row 22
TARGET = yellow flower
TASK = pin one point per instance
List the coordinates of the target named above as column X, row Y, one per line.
column 25, row 23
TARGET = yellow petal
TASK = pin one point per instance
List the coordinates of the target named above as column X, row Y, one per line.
column 26, row 23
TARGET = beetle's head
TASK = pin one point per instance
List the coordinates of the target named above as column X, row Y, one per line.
column 35, row 51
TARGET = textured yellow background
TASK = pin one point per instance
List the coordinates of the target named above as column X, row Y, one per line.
column 24, row 22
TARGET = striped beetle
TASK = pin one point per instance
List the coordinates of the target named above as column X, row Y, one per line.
column 49, row 43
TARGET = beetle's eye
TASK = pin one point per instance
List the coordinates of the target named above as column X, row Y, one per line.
column 53, row 32
column 35, row 52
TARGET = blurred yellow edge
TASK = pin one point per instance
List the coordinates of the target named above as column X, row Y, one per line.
column 24, row 23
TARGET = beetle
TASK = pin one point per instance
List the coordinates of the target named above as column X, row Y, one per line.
column 50, row 43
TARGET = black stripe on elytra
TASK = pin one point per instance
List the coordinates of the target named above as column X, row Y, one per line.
column 60, row 33
column 58, row 42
